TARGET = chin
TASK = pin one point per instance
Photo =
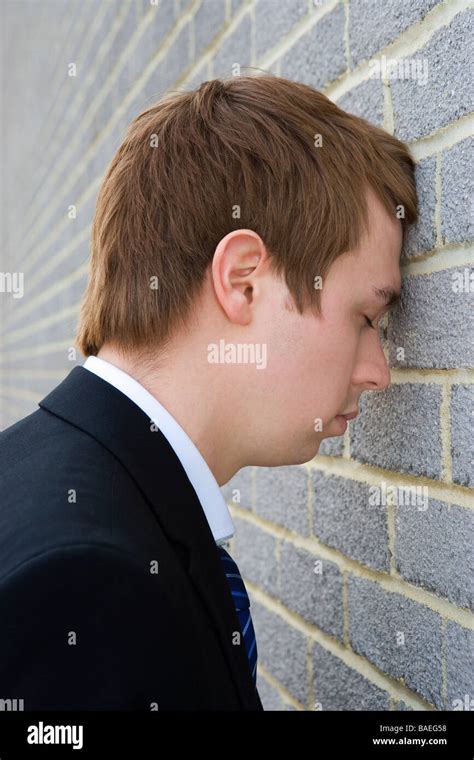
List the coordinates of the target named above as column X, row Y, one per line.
column 308, row 453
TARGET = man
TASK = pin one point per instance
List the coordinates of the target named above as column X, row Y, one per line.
column 245, row 246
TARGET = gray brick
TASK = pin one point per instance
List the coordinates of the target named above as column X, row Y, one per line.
column 135, row 107
column 420, row 109
column 399, row 429
column 434, row 322
column 315, row 596
column 459, row 646
column 377, row 618
column 254, row 552
column 175, row 64
column 238, row 490
column 269, row 696
column 435, row 549
column 57, row 360
column 339, row 687
column 90, row 61
column 373, row 25
column 209, row 20
column 181, row 7
column 344, row 518
column 9, row 415
column 271, row 26
column 332, row 447
column 235, row 6
column 63, row 330
column 47, row 305
column 366, row 101
column 402, row 706
column 142, row 8
column 235, row 49
column 152, row 37
column 282, row 651
column 127, row 28
column 41, row 386
column 201, row 74
column 307, row 61
column 421, row 236
column 106, row 108
column 57, row 266
column 462, row 440
column 282, row 496
column 457, row 193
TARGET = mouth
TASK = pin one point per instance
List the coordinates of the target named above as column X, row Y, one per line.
column 350, row 415
column 343, row 419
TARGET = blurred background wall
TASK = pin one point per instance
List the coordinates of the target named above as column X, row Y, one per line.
column 356, row 605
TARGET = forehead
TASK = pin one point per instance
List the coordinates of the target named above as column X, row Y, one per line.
column 376, row 260
column 385, row 230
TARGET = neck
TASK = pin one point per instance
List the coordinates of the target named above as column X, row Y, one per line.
column 191, row 396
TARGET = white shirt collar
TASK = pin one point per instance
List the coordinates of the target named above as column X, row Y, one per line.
column 194, row 464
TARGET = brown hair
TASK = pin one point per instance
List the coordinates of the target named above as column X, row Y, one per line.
column 189, row 161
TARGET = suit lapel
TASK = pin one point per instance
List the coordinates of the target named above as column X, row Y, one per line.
column 95, row 406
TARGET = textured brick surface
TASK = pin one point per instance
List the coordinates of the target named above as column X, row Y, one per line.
column 235, row 49
column 399, row 429
column 339, row 687
column 332, row 447
column 273, row 23
column 312, row 587
column 282, row 497
column 402, row 638
column 448, row 94
column 239, row 489
column 366, row 101
column 307, row 61
column 422, row 236
column 255, row 553
column 344, row 519
column 373, row 25
column 435, row 549
column 430, row 336
column 459, row 667
column 208, row 22
column 462, row 439
column 282, row 650
column 457, row 193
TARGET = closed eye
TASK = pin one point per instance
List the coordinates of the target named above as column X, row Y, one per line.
column 369, row 322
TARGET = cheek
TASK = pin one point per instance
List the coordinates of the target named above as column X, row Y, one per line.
column 333, row 364
column 309, row 355
column 339, row 344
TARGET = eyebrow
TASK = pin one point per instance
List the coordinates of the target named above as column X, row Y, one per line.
column 388, row 295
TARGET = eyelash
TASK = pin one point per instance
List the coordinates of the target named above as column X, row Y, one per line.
column 369, row 323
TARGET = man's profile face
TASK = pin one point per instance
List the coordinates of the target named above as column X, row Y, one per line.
column 318, row 367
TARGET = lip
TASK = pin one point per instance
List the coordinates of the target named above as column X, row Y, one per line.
column 350, row 415
column 343, row 419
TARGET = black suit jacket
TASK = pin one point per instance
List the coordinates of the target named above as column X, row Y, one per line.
column 112, row 592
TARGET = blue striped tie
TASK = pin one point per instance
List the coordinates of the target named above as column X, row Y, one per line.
column 242, row 606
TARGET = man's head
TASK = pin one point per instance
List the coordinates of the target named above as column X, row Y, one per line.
column 253, row 213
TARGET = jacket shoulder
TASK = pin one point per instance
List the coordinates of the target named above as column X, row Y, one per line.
column 60, row 486
column 88, row 627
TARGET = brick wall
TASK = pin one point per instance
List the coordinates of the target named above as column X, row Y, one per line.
column 359, row 564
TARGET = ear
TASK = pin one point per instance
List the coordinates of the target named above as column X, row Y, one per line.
column 236, row 266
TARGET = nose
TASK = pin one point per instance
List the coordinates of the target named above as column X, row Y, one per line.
column 383, row 375
column 372, row 371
